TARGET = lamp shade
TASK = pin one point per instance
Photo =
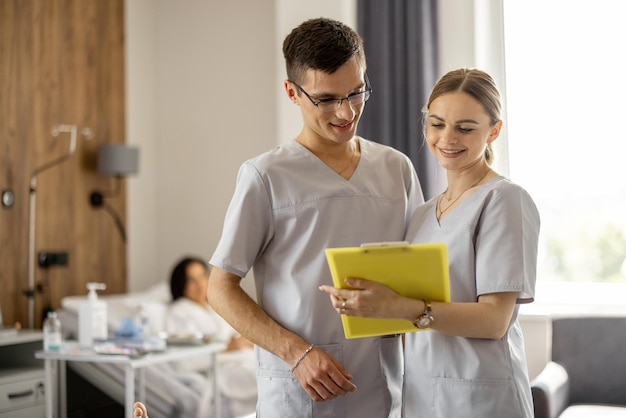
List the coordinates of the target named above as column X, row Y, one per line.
column 117, row 160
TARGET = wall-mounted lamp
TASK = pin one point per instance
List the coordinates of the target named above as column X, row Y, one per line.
column 119, row 161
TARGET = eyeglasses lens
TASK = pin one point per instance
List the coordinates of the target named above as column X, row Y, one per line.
column 354, row 99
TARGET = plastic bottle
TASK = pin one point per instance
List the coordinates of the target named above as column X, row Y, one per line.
column 92, row 317
column 144, row 321
column 52, row 339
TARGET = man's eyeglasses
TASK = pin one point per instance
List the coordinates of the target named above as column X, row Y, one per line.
column 332, row 105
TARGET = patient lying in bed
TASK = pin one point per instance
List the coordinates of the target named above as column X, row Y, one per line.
column 183, row 387
column 190, row 313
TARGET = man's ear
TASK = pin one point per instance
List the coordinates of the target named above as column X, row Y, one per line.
column 292, row 92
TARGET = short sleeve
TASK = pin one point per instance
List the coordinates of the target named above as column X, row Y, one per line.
column 248, row 224
column 506, row 244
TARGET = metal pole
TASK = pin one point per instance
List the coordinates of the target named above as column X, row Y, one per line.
column 56, row 131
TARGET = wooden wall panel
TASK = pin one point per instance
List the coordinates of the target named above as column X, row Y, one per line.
column 61, row 62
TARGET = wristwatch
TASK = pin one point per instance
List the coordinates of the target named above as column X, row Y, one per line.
column 426, row 319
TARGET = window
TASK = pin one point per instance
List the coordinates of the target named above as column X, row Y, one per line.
column 566, row 109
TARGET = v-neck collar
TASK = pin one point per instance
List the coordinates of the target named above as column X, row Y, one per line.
column 478, row 193
column 318, row 161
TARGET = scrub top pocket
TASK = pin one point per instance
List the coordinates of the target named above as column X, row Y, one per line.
column 487, row 398
column 282, row 393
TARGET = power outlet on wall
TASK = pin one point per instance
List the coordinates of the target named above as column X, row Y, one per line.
column 47, row 259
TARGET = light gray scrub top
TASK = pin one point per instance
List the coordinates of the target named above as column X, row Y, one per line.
column 289, row 206
column 492, row 247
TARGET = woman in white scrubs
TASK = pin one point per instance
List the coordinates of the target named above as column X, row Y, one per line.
column 189, row 314
column 470, row 362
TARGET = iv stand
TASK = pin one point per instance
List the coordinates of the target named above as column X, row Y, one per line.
column 56, row 131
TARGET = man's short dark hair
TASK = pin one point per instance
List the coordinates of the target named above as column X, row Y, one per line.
column 320, row 44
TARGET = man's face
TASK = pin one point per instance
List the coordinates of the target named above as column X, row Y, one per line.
column 335, row 126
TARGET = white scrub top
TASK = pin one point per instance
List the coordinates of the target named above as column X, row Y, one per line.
column 492, row 247
column 288, row 207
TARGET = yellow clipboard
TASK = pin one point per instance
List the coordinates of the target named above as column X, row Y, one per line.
column 419, row 271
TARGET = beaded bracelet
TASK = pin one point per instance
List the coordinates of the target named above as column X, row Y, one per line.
column 303, row 355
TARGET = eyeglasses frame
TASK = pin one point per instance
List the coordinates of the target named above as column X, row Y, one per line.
column 368, row 90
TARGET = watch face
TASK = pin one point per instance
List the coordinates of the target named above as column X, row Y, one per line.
column 424, row 321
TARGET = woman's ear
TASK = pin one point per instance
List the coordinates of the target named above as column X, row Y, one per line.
column 495, row 132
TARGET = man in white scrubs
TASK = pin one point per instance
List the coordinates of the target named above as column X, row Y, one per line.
column 325, row 188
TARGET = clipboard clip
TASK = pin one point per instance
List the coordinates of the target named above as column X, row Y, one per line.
column 385, row 246
column 384, row 243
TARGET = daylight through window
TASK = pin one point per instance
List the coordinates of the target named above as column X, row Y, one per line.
column 566, row 101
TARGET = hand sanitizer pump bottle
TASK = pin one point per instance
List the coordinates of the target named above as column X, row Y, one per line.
column 92, row 317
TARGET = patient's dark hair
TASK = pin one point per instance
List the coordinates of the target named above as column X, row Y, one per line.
column 320, row 44
column 178, row 278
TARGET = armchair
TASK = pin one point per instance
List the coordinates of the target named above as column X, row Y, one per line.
column 587, row 374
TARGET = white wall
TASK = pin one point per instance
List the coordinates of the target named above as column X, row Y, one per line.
column 204, row 85
column 141, row 130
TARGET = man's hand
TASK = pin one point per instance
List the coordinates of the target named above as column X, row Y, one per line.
column 322, row 376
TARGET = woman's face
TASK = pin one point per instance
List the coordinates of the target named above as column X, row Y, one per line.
column 197, row 283
column 458, row 130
